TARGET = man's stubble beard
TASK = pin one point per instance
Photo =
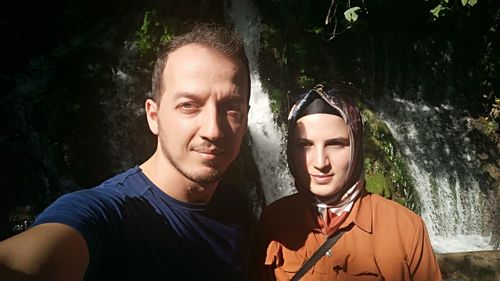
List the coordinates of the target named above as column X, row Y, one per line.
column 212, row 176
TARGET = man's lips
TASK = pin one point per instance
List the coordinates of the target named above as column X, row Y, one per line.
column 209, row 153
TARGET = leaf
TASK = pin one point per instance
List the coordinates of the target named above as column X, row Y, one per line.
column 317, row 29
column 464, row 2
column 472, row 2
column 446, row 1
column 350, row 14
column 437, row 10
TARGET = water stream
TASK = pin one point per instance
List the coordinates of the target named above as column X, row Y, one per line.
column 441, row 159
column 445, row 169
column 267, row 139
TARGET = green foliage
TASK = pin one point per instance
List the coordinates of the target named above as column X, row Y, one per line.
column 384, row 165
column 277, row 100
column 304, row 81
column 272, row 41
column 350, row 14
column 152, row 34
column 469, row 2
column 437, row 11
column 317, row 29
column 445, row 6
column 487, row 126
column 144, row 38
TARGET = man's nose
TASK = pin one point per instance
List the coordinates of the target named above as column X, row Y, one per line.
column 211, row 124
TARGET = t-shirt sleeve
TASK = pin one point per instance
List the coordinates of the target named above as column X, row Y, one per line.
column 91, row 213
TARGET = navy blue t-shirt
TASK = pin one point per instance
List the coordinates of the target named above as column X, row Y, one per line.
column 134, row 231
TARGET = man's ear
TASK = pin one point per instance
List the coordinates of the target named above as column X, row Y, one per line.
column 152, row 115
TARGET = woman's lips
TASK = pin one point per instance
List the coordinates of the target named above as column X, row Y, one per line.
column 321, row 179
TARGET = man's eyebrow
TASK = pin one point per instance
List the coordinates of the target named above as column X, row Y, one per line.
column 234, row 98
column 188, row 95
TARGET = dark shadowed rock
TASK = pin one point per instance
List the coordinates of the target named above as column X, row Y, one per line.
column 469, row 266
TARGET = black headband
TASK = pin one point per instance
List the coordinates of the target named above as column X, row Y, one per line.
column 318, row 105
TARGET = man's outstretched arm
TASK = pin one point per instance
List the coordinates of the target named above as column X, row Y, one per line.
column 50, row 251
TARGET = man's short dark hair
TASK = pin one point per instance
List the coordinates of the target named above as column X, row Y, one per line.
column 210, row 35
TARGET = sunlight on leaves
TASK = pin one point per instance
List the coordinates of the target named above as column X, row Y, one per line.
column 437, row 10
column 350, row 14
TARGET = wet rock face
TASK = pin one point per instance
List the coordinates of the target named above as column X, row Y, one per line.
column 470, row 266
column 495, row 239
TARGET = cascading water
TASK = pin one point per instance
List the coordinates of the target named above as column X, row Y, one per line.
column 442, row 161
column 445, row 167
column 266, row 137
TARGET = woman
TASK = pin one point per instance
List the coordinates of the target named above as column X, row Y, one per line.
column 378, row 239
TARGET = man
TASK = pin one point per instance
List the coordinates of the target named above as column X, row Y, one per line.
column 169, row 218
column 366, row 236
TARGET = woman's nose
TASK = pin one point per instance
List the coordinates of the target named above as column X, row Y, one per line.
column 321, row 159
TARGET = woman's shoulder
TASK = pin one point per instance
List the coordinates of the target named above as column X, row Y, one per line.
column 394, row 212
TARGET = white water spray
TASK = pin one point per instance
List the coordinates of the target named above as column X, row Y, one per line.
column 267, row 139
column 443, row 164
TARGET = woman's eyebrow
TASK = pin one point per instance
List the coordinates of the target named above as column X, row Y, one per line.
column 338, row 140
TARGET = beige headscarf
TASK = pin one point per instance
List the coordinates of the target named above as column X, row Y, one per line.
column 332, row 210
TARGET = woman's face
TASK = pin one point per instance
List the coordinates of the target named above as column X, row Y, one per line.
column 321, row 153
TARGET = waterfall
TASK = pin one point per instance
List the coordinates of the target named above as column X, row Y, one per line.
column 267, row 139
column 456, row 204
column 445, row 168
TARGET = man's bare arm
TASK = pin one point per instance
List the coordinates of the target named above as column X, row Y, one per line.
column 49, row 251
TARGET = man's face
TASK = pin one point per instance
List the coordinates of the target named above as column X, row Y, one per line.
column 202, row 115
column 321, row 153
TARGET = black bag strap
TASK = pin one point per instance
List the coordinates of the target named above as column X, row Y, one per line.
column 317, row 255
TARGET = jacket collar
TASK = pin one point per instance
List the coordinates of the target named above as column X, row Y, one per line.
column 361, row 214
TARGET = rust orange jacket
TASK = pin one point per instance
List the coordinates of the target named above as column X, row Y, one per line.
column 383, row 241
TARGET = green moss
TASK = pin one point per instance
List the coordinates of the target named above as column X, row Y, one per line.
column 377, row 183
column 384, row 165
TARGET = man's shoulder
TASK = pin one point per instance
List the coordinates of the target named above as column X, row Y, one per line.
column 128, row 183
column 109, row 195
column 126, row 178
